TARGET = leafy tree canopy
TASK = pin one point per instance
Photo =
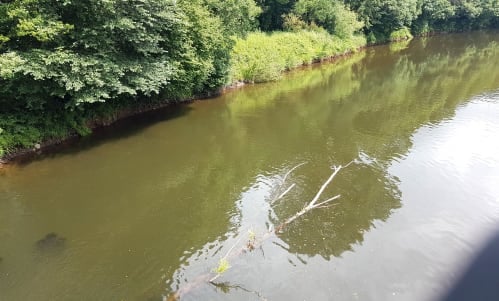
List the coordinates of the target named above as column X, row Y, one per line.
column 329, row 14
column 82, row 51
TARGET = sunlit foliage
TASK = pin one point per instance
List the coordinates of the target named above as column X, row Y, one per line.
column 64, row 63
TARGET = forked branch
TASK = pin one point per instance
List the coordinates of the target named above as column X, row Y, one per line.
column 313, row 204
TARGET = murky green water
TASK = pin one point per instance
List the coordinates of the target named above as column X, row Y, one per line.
column 149, row 207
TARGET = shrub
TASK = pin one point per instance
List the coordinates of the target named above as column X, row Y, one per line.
column 401, row 34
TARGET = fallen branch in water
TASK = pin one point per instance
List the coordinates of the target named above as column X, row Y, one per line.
column 226, row 287
column 252, row 243
column 313, row 203
column 223, row 264
column 283, row 181
column 290, row 171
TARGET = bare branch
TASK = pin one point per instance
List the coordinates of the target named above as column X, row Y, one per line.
column 225, row 258
column 283, row 194
column 225, row 286
column 323, row 187
column 232, row 248
column 313, row 204
column 290, row 171
column 283, row 181
column 327, row 201
column 214, row 278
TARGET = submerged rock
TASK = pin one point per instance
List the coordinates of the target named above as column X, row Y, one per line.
column 51, row 241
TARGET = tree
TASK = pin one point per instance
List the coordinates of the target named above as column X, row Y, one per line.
column 329, row 14
column 433, row 15
column 238, row 16
column 476, row 13
column 272, row 14
column 74, row 52
column 384, row 16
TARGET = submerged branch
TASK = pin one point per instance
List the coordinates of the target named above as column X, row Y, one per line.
column 224, row 264
column 252, row 243
column 226, row 287
column 327, row 201
column 283, row 194
column 290, row 171
column 283, row 181
column 323, row 187
column 313, row 203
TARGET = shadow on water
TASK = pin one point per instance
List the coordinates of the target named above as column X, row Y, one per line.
column 368, row 194
column 121, row 129
column 366, row 110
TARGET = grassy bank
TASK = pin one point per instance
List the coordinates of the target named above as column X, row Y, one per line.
column 262, row 57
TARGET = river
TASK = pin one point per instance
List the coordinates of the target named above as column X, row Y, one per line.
column 148, row 206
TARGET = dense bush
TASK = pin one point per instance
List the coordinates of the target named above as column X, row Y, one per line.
column 382, row 17
column 75, row 52
column 402, row 34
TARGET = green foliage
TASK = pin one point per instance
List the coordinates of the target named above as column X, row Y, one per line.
column 272, row 12
column 385, row 16
column 329, row 14
column 382, row 17
column 238, row 16
column 61, row 60
column 321, row 12
column 437, row 9
column 400, row 34
column 204, row 55
column 119, row 51
column 223, row 266
column 346, row 22
column 251, row 235
column 444, row 15
column 263, row 57
column 9, row 62
column 292, row 22
column 32, row 22
column 41, row 29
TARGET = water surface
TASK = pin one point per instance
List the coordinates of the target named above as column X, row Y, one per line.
column 148, row 207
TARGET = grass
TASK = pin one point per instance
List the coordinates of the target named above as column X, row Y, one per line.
column 262, row 57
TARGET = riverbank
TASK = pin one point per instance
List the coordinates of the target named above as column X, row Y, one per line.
column 101, row 118
column 260, row 57
column 247, row 59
